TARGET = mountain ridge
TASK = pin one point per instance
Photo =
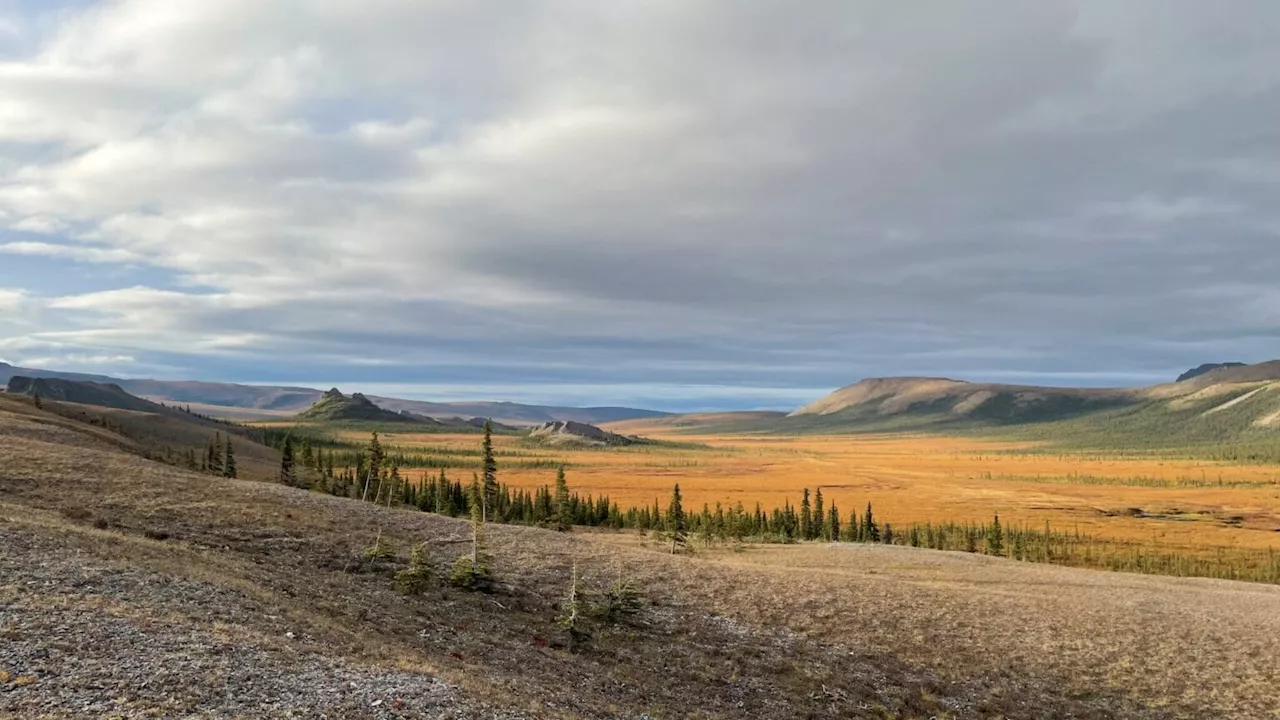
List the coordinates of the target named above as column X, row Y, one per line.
column 284, row 400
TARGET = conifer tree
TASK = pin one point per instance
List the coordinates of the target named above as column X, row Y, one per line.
column 490, row 471
column 704, row 525
column 35, row 400
column 806, row 517
column 214, row 455
column 374, row 469
column 472, row 571
column 286, row 462
column 870, row 531
column 675, row 522
column 563, row 518
column 819, row 516
column 415, row 579
column 228, row 460
column 851, row 528
column 995, row 537
column 572, row 612
column 831, row 531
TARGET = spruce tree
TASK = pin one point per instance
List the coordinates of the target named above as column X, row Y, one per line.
column 374, row 469
column 831, row 531
column 563, row 518
column 415, row 579
column 573, row 612
column 819, row 516
column 214, row 455
column 35, row 400
column 870, row 531
column 995, row 537
column 472, row 571
column 490, row 471
column 675, row 521
column 286, row 463
column 806, row 517
column 228, row 460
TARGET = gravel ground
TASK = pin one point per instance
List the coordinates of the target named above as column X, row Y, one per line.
column 81, row 639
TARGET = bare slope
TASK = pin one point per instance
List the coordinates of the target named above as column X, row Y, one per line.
column 941, row 399
column 567, row 432
column 137, row 589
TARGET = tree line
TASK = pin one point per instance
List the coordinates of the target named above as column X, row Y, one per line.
column 375, row 477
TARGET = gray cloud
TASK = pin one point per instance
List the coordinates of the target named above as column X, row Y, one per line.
column 650, row 194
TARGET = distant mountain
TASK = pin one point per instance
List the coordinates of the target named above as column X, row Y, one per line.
column 516, row 413
column 107, row 395
column 1207, row 367
column 278, row 401
column 1226, row 412
column 568, row 432
column 928, row 401
column 333, row 405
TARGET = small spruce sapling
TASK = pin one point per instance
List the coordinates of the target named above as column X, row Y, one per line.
column 415, row 579
column 572, row 616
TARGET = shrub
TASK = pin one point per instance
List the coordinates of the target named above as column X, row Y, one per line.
column 381, row 551
column 469, row 576
column 622, row 600
column 415, row 579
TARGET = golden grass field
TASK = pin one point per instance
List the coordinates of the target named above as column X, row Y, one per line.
column 1184, row 504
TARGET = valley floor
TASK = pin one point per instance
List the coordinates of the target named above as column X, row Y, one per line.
column 133, row 589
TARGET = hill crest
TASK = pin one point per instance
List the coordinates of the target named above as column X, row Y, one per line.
column 333, row 405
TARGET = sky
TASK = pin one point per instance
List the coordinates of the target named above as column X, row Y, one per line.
column 667, row 204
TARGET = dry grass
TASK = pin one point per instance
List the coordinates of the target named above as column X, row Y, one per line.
column 916, row 479
column 797, row 631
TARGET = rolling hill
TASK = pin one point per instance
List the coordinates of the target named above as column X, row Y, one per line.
column 261, row 402
column 140, row 426
column 1223, row 411
column 106, row 395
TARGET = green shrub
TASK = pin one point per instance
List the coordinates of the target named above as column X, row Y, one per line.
column 415, row 579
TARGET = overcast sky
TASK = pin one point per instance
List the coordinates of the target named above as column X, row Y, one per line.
column 665, row 203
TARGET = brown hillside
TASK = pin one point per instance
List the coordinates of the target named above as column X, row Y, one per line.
column 894, row 396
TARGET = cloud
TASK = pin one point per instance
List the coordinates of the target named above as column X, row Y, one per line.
column 665, row 195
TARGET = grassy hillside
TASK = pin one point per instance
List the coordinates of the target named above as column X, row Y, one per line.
column 81, row 392
column 103, row 548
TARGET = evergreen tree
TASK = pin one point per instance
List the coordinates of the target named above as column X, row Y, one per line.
column 995, row 537
column 870, row 531
column 572, row 613
column 850, row 530
column 213, row 462
column 286, row 463
column 704, row 526
column 563, row 519
column 472, row 571
column 228, row 460
column 490, row 470
column 415, row 579
column 374, row 469
column 831, row 531
column 806, row 517
column 35, row 400
column 819, row 516
column 675, row 521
